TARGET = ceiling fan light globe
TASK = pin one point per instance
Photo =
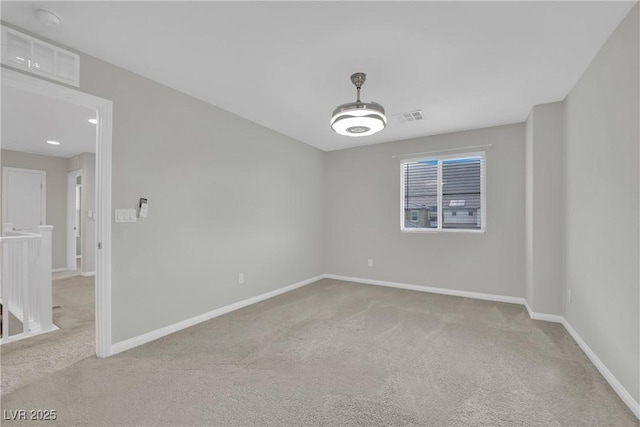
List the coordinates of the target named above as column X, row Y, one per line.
column 355, row 126
column 358, row 119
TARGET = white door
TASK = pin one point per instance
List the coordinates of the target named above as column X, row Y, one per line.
column 23, row 198
column 73, row 219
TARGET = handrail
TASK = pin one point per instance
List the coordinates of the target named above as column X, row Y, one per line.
column 28, row 236
column 26, row 280
column 12, row 235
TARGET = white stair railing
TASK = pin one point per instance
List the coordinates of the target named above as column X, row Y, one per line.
column 25, row 290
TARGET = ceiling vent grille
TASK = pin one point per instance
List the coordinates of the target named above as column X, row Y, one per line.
column 37, row 57
column 409, row 116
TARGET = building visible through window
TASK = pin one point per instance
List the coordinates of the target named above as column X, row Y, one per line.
column 435, row 189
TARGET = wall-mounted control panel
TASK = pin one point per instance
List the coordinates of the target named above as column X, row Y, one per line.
column 126, row 215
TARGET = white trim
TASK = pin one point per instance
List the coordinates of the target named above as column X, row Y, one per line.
column 429, row 289
column 469, row 155
column 159, row 333
column 606, row 373
column 78, row 256
column 440, row 151
column 59, row 270
column 43, row 191
column 555, row 318
column 444, row 230
column 72, row 179
column 483, row 192
column 29, row 65
column 88, row 274
column 103, row 228
column 439, row 197
column 482, row 155
column 32, row 333
column 611, row 379
column 104, row 110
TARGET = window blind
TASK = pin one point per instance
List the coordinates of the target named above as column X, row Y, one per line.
column 444, row 193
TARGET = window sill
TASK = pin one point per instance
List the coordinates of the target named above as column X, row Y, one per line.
column 445, row 230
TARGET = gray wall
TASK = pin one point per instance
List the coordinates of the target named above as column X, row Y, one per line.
column 602, row 207
column 225, row 195
column 56, row 169
column 366, row 181
column 544, row 208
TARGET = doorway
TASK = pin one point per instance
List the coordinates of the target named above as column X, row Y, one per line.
column 102, row 223
column 74, row 221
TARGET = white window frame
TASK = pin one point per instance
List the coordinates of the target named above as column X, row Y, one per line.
column 483, row 193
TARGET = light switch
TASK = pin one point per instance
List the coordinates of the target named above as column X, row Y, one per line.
column 125, row 215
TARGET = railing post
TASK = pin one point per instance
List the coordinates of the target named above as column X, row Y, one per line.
column 26, row 292
column 46, row 313
column 5, row 292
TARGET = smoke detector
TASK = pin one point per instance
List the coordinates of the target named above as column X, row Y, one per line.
column 47, row 17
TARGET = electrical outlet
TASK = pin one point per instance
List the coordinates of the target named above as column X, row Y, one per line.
column 241, row 278
column 370, row 262
column 570, row 297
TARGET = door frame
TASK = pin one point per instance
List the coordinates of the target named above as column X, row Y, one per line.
column 104, row 111
column 43, row 191
column 71, row 220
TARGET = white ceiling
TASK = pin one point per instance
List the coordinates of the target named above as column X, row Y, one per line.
column 29, row 120
column 286, row 65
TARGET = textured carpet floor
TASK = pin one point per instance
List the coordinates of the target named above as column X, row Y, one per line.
column 26, row 361
column 337, row 353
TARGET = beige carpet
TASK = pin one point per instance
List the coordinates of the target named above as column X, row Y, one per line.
column 336, row 353
column 26, row 361
column 68, row 273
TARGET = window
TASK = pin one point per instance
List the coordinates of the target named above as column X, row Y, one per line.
column 440, row 187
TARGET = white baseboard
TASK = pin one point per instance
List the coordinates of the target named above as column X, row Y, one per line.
column 59, row 270
column 611, row 379
column 555, row 318
column 443, row 291
column 87, row 274
column 33, row 333
column 159, row 333
column 606, row 373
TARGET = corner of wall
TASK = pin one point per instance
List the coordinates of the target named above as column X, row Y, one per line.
column 544, row 196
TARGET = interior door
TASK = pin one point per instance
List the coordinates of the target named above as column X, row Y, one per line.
column 23, row 198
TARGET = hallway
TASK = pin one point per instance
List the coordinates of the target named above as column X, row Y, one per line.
column 24, row 362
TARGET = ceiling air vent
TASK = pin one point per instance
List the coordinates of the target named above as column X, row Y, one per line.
column 37, row 57
column 409, row 116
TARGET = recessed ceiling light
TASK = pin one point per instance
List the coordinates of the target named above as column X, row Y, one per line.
column 53, row 142
column 93, row 121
